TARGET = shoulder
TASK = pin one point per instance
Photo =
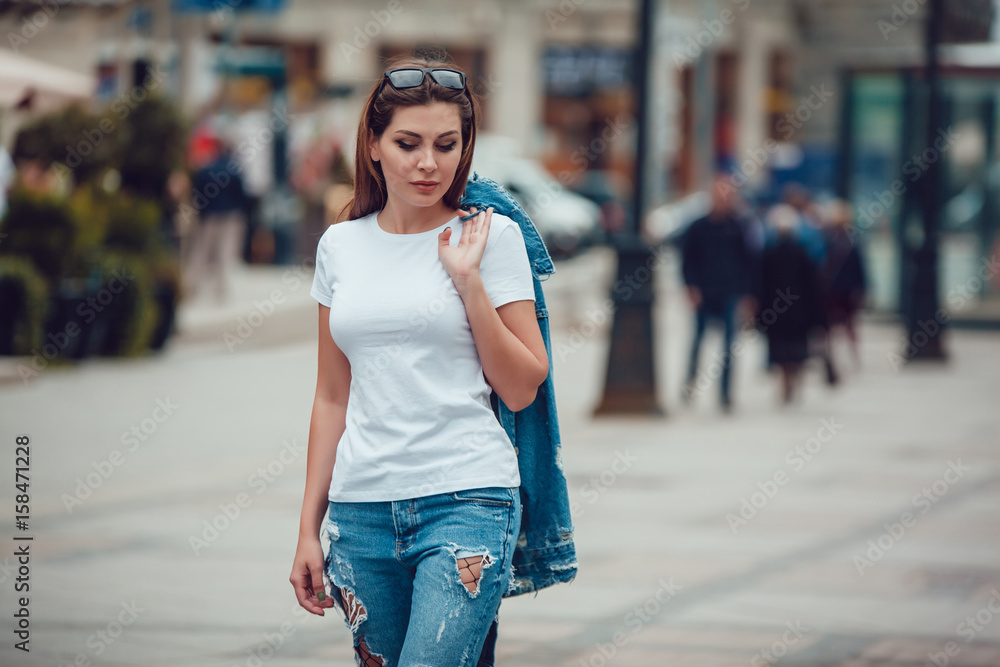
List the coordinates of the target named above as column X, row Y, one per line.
column 503, row 230
column 340, row 231
column 695, row 229
column 500, row 223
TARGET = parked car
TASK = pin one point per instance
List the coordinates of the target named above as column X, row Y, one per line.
column 566, row 221
column 605, row 188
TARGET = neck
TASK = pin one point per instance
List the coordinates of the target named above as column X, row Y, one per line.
column 399, row 217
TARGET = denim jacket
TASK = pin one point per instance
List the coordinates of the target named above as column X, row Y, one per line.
column 545, row 553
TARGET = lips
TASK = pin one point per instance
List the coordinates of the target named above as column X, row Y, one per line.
column 424, row 186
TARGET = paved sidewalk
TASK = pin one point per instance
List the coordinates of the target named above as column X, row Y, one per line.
column 857, row 528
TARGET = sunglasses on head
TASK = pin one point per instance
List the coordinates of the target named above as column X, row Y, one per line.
column 411, row 77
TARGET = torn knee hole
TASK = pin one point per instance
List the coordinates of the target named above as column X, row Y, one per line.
column 354, row 611
column 367, row 658
column 471, row 571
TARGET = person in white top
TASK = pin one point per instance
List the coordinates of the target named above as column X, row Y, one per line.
column 422, row 315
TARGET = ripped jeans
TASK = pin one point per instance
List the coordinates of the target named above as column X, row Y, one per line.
column 420, row 580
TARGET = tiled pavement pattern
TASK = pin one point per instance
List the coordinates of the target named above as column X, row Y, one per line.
column 663, row 580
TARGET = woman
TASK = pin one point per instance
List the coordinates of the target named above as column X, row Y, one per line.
column 422, row 315
column 843, row 275
column 787, row 269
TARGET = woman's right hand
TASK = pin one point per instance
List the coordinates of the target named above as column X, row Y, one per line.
column 307, row 576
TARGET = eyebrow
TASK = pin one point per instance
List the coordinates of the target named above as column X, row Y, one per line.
column 414, row 134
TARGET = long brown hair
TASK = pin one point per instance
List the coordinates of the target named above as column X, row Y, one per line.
column 370, row 193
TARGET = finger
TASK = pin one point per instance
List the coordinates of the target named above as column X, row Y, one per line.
column 302, row 594
column 319, row 588
column 327, row 600
column 444, row 238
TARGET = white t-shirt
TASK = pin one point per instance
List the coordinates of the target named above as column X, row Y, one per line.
column 419, row 420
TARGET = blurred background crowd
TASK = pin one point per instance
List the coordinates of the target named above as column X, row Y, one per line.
column 183, row 138
column 807, row 186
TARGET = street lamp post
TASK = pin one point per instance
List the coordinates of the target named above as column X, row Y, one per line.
column 924, row 321
column 630, row 384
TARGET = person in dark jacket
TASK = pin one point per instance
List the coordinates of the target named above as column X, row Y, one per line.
column 219, row 197
column 789, row 297
column 843, row 275
column 717, row 264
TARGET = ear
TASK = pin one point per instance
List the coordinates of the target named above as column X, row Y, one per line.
column 373, row 150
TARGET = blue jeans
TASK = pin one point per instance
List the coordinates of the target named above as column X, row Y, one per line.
column 420, row 580
column 725, row 312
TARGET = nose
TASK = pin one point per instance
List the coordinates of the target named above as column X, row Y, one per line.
column 426, row 161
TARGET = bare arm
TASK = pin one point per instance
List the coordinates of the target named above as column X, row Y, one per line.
column 508, row 339
column 326, row 426
column 509, row 344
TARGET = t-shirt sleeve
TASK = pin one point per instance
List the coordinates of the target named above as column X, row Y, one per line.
column 505, row 270
column 322, row 285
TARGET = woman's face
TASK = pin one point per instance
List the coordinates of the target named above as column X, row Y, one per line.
column 420, row 151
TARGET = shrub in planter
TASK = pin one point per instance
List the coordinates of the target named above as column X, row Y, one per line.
column 127, row 304
column 72, row 138
column 150, row 146
column 24, row 301
column 165, row 267
column 133, row 225
column 45, row 229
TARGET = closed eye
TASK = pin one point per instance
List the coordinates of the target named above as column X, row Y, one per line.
column 405, row 146
column 449, row 147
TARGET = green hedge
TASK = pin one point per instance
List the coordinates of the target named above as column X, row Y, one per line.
column 30, row 304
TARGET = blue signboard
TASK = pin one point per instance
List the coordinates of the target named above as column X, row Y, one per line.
column 210, row 6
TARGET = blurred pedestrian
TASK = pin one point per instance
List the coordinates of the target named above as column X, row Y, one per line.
column 810, row 235
column 789, row 299
column 809, row 229
column 717, row 266
column 843, row 278
column 418, row 309
column 221, row 202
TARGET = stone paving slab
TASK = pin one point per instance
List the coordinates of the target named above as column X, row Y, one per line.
column 663, row 521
